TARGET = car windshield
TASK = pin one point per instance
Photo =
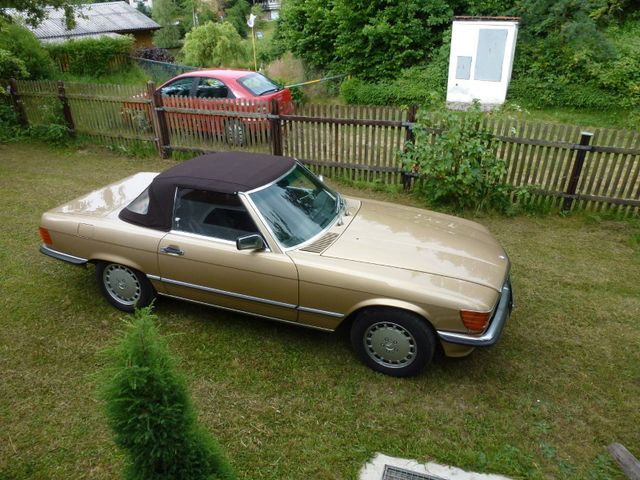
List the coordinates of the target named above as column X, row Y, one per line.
column 258, row 84
column 297, row 207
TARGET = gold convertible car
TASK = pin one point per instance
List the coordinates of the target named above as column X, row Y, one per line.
column 263, row 235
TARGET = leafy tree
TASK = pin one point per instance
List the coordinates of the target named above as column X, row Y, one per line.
column 376, row 38
column 22, row 44
column 151, row 413
column 308, row 28
column 368, row 38
column 237, row 13
column 167, row 13
column 34, row 11
column 212, row 45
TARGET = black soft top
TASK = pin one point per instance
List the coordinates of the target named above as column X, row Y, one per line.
column 225, row 172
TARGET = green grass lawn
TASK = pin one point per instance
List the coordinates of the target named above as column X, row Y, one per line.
column 288, row 403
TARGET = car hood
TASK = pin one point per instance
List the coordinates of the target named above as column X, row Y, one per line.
column 422, row 241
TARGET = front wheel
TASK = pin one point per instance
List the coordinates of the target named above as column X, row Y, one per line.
column 393, row 341
column 125, row 288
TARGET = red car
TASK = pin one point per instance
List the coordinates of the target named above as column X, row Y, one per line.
column 221, row 89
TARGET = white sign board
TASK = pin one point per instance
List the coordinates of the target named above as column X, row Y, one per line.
column 481, row 60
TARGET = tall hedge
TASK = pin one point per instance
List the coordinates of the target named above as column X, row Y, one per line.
column 93, row 56
column 151, row 414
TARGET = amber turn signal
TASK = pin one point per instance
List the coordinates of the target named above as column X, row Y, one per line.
column 44, row 234
column 475, row 321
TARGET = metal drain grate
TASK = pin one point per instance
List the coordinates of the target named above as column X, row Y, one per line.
column 395, row 473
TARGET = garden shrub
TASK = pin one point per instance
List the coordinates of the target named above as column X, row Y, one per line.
column 459, row 167
column 150, row 411
column 23, row 45
column 155, row 53
column 421, row 85
column 11, row 66
column 9, row 126
column 93, row 56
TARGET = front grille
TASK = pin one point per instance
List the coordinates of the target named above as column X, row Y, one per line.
column 321, row 244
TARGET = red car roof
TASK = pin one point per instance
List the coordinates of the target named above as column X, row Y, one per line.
column 221, row 73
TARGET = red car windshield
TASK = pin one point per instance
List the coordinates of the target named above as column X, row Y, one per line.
column 258, row 84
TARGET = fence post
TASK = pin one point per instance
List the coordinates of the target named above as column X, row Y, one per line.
column 409, row 137
column 582, row 148
column 159, row 121
column 276, row 129
column 66, row 110
column 17, row 103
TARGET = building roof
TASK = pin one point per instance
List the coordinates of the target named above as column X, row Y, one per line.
column 91, row 19
column 224, row 172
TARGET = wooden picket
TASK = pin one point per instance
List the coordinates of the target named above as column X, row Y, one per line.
column 354, row 142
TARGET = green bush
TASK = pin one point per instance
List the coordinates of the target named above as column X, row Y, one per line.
column 21, row 43
column 420, row 85
column 9, row 127
column 417, row 85
column 151, row 413
column 93, row 56
column 11, row 66
column 459, row 167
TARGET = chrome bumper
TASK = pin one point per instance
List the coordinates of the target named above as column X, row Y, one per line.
column 491, row 334
column 65, row 257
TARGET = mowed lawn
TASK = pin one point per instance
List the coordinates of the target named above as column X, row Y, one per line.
column 290, row 403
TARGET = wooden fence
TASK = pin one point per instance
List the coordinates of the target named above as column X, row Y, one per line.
column 561, row 163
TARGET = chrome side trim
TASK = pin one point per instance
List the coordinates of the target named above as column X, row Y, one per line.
column 288, row 322
column 492, row 334
column 227, row 293
column 244, row 297
column 320, row 312
column 65, row 257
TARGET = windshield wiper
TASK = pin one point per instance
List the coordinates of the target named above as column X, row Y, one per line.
column 270, row 91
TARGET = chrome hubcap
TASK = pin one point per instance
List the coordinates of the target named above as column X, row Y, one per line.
column 122, row 284
column 390, row 344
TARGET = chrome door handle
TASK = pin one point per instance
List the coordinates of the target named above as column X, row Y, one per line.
column 172, row 250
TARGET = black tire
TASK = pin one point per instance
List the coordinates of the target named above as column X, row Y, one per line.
column 235, row 133
column 393, row 341
column 124, row 287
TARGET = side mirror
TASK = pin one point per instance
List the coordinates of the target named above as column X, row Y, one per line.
column 250, row 242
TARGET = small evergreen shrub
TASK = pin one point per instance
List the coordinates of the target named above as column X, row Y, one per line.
column 151, row 413
column 459, row 167
column 93, row 56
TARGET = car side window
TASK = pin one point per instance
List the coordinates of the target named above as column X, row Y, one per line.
column 179, row 88
column 213, row 214
column 212, row 88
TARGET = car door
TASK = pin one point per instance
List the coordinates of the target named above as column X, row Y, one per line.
column 199, row 261
column 209, row 92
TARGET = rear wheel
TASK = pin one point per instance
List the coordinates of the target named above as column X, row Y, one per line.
column 124, row 287
column 393, row 341
column 235, row 133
